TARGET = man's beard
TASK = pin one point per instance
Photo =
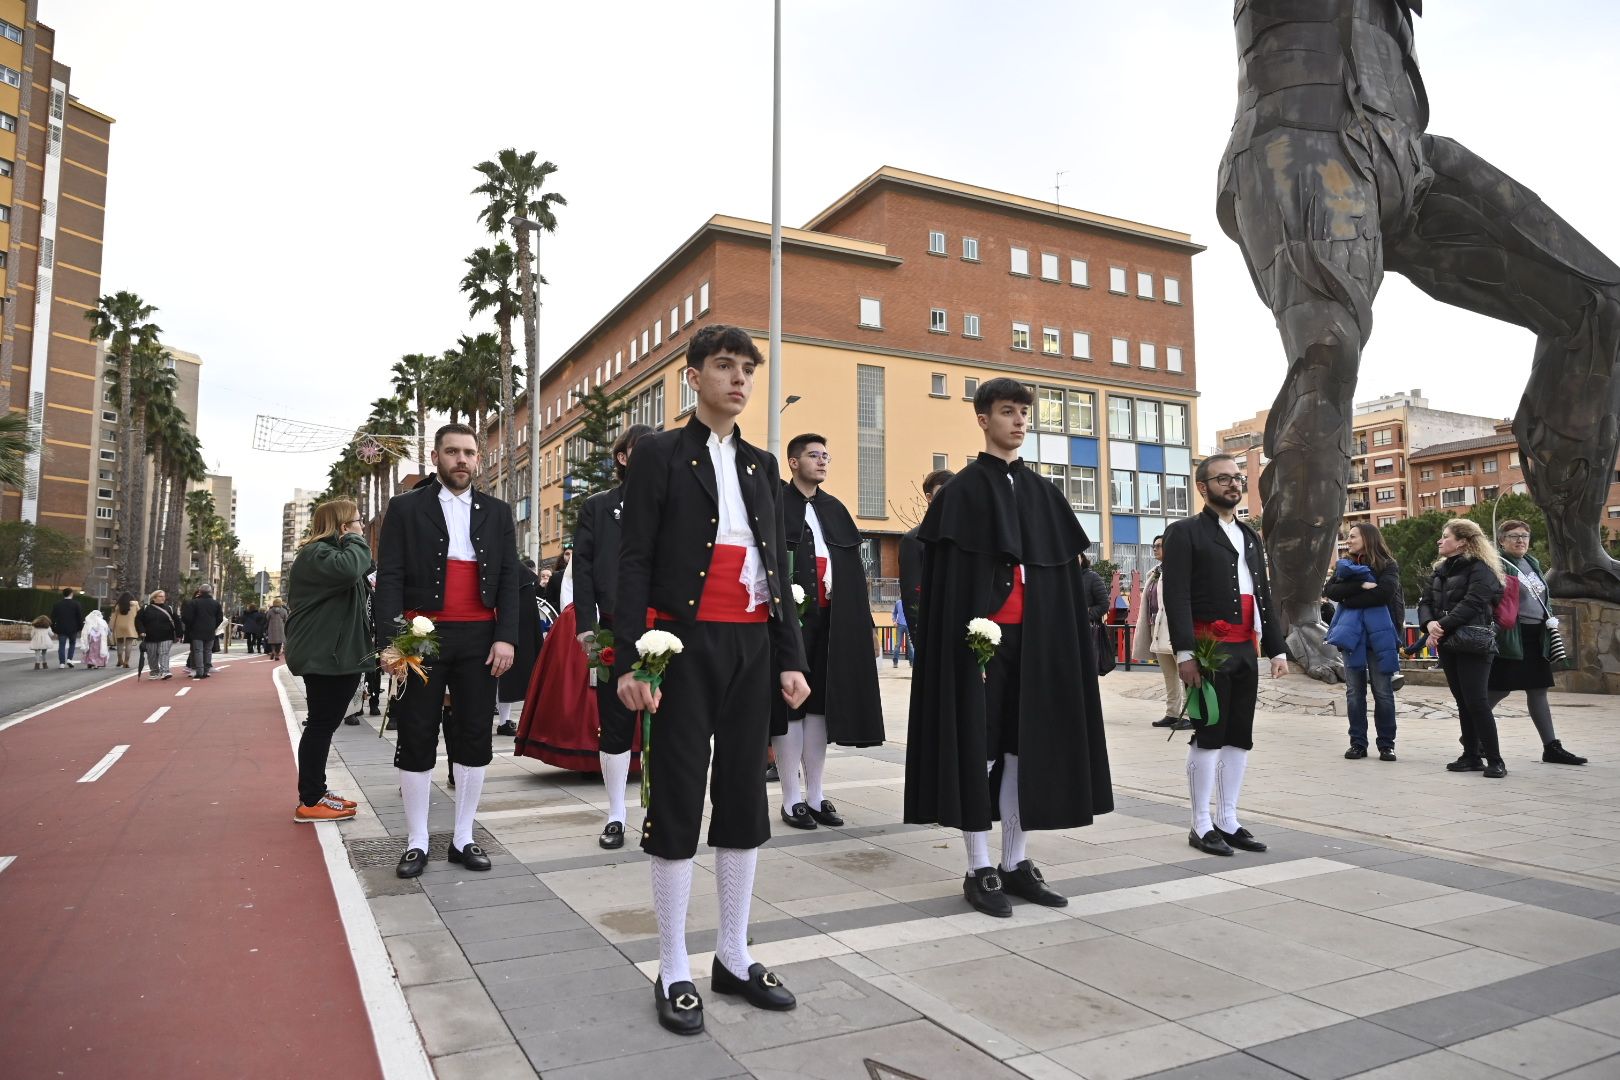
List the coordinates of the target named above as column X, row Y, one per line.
column 1226, row 501
column 447, row 478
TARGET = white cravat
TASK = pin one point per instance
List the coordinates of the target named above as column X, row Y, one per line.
column 458, row 519
column 733, row 528
column 814, row 522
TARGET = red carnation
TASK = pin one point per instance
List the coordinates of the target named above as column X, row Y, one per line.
column 606, row 656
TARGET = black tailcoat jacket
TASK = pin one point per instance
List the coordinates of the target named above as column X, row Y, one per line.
column 515, row 683
column 595, row 564
column 414, row 547
column 851, row 702
column 1201, row 580
column 667, row 530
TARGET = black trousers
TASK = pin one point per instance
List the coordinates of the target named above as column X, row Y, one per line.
column 327, row 699
column 253, row 642
column 374, row 683
column 719, row 688
column 816, row 632
column 1237, row 685
column 1469, row 677
column 460, row 668
column 1003, row 693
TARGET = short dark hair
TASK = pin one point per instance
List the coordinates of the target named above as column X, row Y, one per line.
column 936, row 480
column 1156, row 539
column 452, row 429
column 67, row 592
column 1202, row 476
column 998, row 390
column 626, row 443
column 797, row 445
column 719, row 337
column 1509, row 525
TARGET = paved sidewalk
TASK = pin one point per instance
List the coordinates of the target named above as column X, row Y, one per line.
column 1407, row 922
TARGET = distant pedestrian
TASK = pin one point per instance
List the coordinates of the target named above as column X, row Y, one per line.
column 1522, row 663
column 124, row 634
column 202, row 616
column 902, row 634
column 551, row 591
column 1151, row 641
column 95, row 640
column 67, row 619
column 40, row 641
column 275, row 627
column 1458, row 613
column 1366, row 629
column 160, row 629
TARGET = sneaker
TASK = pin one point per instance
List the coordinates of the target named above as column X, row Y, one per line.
column 1555, row 754
column 168, row 674
column 1165, row 721
column 347, row 804
column 324, row 810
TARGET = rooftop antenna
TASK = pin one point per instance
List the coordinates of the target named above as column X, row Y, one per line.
column 1057, row 188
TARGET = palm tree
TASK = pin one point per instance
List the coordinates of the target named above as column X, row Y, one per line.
column 413, row 382
column 16, row 442
column 472, row 379
column 200, row 513
column 511, row 186
column 488, row 285
column 186, row 467
column 391, row 419
column 165, row 429
column 446, row 391
column 121, row 319
column 150, row 383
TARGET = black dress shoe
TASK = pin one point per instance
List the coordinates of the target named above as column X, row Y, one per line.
column 472, row 857
column 771, row 775
column 352, row 721
column 506, row 729
column 612, row 837
column 762, row 989
column 1466, row 763
column 412, row 863
column 1165, row 721
column 1026, row 883
column 1210, row 843
column 799, row 817
column 1242, row 839
column 1386, row 754
column 1555, row 754
column 680, row 1010
column 374, row 710
column 389, row 725
column 1182, row 724
column 1355, row 753
column 983, row 890
column 827, row 815
column 1495, row 770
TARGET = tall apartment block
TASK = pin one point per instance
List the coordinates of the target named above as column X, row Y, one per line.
column 295, row 517
column 53, row 194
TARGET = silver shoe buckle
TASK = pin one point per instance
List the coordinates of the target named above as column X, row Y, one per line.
column 686, row 1002
column 770, row 980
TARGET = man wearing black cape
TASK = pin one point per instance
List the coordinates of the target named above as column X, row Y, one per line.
column 824, row 550
column 1001, row 542
column 911, row 562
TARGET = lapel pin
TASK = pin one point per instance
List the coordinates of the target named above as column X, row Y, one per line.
column 750, row 470
column 616, row 510
column 477, row 507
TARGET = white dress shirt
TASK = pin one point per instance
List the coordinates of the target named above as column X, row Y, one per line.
column 458, row 519
column 814, row 522
column 733, row 528
column 1237, row 538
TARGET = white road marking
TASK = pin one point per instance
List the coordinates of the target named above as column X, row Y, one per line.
column 155, row 717
column 5, row 861
column 393, row 1029
column 183, row 691
column 101, row 767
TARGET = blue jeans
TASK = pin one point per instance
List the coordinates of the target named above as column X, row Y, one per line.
column 1355, row 700
column 65, row 646
column 902, row 644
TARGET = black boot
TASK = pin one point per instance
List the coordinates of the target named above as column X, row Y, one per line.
column 1555, row 754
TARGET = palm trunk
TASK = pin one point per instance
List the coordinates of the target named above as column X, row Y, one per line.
column 174, row 514
column 138, row 500
column 508, row 393
column 127, row 515
column 529, row 298
column 421, row 431
column 152, row 524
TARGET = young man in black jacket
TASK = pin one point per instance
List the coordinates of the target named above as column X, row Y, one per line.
column 1215, row 585
column 448, row 552
column 701, row 556
column 911, row 558
column 202, row 616
column 67, row 619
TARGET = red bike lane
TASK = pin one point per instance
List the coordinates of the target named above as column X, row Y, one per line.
column 169, row 919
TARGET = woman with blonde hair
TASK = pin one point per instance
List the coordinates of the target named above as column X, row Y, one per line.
column 328, row 643
column 1459, row 613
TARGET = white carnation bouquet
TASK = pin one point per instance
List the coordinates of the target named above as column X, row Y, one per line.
column 416, row 642
column 654, row 650
column 982, row 637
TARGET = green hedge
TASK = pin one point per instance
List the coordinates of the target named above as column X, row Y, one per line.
column 26, row 605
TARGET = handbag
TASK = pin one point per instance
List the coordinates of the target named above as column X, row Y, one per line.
column 1472, row 638
column 1104, row 638
column 1507, row 608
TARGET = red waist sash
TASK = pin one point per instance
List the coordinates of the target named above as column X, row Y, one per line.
column 463, row 602
column 822, row 599
column 1230, row 633
column 724, row 598
column 1012, row 612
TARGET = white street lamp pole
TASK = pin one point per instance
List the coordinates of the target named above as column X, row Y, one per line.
column 773, row 441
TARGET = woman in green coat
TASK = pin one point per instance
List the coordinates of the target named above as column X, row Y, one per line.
column 328, row 643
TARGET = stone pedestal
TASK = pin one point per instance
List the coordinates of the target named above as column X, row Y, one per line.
column 1591, row 632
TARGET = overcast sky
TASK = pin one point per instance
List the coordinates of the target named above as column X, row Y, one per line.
column 294, row 194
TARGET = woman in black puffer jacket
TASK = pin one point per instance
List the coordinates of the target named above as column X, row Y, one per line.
column 1466, row 585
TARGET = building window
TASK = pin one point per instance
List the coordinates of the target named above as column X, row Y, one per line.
column 936, row 242
column 687, row 310
column 7, row 122
column 1384, row 467
column 1149, row 354
column 1049, row 266
column 970, row 326
column 1122, row 483
column 1119, row 417
column 1150, row 493
column 1116, row 280
column 688, row 397
column 970, row 249
column 1489, row 493
column 1147, row 421
column 6, row 166
column 632, row 352
column 1172, row 291
column 1122, row 351
column 644, row 349
column 1020, row 261
column 5, row 213
column 938, row 385
column 941, row 461
column 869, row 451
column 970, row 387
column 1082, row 345
column 10, row 76
column 1051, row 341
column 618, row 363
column 1172, row 358
column 1383, row 437
column 103, row 534
column 1049, row 411
column 108, row 417
column 936, row 320
column 1175, row 424
column 1082, row 412
column 1489, row 465
column 1614, row 511
column 1079, row 273
column 703, row 298
column 1386, row 495
column 105, row 513
column 109, row 435
column 1175, row 495
column 674, row 320
column 1020, row 338
column 1426, row 473
column 1082, row 487
column 104, row 474
column 11, row 33
column 658, row 333
column 1453, row 497
column 1144, row 285
column 104, row 493
column 871, row 312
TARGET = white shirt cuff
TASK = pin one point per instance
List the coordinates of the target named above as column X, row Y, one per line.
column 1183, row 656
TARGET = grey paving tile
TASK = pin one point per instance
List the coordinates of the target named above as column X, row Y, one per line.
column 1121, row 879
column 1540, row 1048
column 695, row 1059
column 1163, row 983
column 1592, row 903
column 1436, row 1065
column 482, row 952
column 580, row 862
column 1445, row 872
column 575, row 1031
column 1341, row 1050
column 643, row 949
column 427, row 958
column 833, row 921
column 1131, row 1053
column 1601, row 1015
column 515, row 997
column 1452, row 1018
column 456, row 1016
column 550, row 965
column 411, row 913
column 491, row 1063
column 1548, row 991
column 511, row 920
column 444, row 873
column 487, row 892
column 1604, row 965
column 1606, row 1069
column 1376, row 856
column 832, row 1001
column 1225, row 1067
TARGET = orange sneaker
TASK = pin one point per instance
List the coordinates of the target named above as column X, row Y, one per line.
column 347, row 804
column 325, row 810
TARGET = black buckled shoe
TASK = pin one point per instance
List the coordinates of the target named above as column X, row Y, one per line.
column 827, row 815
column 680, row 1010
column 762, row 989
column 1466, row 763
column 799, row 817
column 1026, row 883
column 412, row 863
column 612, row 837
column 472, row 857
column 1210, row 843
column 983, row 890
column 1355, row 753
column 1242, row 839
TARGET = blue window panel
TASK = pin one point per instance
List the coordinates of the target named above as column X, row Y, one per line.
column 1177, row 459
column 1082, row 451
column 1127, row 529
column 1053, row 452
column 1122, row 455
column 1092, row 526
column 1150, row 458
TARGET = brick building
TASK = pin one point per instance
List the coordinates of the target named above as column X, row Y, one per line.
column 897, row 301
column 1454, row 477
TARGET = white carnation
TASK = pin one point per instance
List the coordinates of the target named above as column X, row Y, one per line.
column 798, row 594
column 986, row 629
column 421, row 626
column 658, row 642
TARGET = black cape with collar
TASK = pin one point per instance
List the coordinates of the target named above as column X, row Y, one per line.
column 977, row 530
column 854, row 709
